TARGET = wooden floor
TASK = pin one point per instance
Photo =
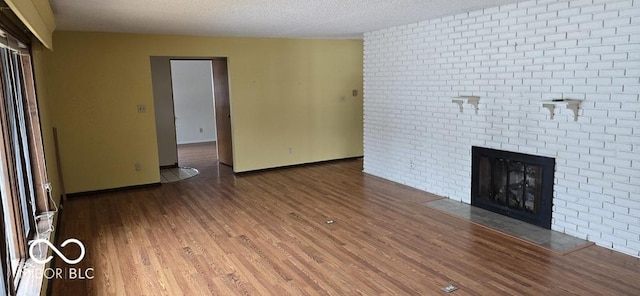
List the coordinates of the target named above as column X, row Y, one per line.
column 204, row 158
column 264, row 233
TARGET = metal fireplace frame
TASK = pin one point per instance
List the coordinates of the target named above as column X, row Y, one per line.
column 543, row 217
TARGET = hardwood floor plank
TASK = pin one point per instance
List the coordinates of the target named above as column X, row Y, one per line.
column 264, row 233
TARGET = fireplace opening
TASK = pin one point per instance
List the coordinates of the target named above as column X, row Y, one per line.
column 513, row 184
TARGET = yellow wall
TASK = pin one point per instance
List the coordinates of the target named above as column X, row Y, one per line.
column 284, row 93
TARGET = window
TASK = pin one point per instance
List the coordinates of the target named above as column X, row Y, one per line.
column 22, row 169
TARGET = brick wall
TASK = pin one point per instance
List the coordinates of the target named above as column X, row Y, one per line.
column 514, row 57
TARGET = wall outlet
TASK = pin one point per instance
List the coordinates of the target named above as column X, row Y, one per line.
column 343, row 98
column 142, row 108
column 290, row 150
column 354, row 92
column 201, row 130
column 138, row 166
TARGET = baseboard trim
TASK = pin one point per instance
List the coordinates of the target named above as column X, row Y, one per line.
column 95, row 192
column 198, row 142
column 312, row 163
column 171, row 166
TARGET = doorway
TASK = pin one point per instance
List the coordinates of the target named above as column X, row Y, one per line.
column 203, row 117
column 193, row 104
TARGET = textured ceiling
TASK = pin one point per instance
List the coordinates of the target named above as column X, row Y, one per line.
column 254, row 18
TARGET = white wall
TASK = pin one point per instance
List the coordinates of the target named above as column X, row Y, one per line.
column 514, row 57
column 193, row 101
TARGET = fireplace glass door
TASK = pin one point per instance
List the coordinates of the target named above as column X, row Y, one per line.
column 514, row 184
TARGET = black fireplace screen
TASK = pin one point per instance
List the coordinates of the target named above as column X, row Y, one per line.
column 513, row 184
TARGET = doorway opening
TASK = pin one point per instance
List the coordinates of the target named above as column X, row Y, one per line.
column 191, row 97
column 194, row 107
column 193, row 102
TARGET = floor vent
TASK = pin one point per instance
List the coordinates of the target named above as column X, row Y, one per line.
column 449, row 288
